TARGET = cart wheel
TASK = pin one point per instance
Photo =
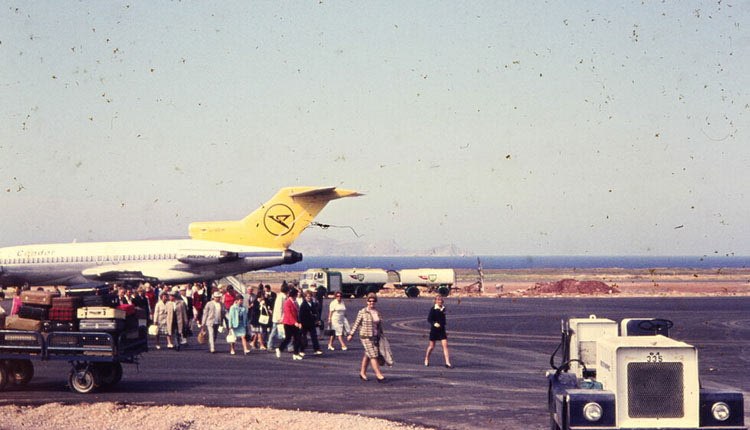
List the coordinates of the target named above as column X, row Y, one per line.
column 3, row 375
column 20, row 372
column 443, row 290
column 109, row 373
column 84, row 379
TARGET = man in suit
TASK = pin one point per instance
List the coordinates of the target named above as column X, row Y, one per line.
column 213, row 316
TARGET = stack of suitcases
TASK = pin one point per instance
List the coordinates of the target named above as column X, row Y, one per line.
column 86, row 308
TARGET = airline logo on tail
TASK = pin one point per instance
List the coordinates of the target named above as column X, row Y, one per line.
column 279, row 219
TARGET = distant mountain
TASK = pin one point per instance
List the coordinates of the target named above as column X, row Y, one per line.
column 316, row 247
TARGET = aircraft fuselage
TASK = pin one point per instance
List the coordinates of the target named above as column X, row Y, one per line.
column 169, row 261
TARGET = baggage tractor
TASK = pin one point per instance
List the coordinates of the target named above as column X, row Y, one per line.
column 51, row 325
column 33, row 312
column 102, row 300
column 62, row 314
column 43, row 298
column 90, row 289
column 14, row 322
column 66, row 302
column 110, row 325
column 100, row 312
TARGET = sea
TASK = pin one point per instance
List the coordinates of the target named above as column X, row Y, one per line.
column 520, row 262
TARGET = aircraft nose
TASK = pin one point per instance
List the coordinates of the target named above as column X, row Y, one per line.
column 291, row 257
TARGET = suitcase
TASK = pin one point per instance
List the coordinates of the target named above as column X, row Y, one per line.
column 66, row 302
column 43, row 298
column 102, row 300
column 49, row 326
column 14, row 322
column 90, row 289
column 33, row 312
column 107, row 325
column 62, row 314
column 129, row 309
column 100, row 312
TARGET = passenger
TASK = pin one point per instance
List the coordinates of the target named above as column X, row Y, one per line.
column 370, row 324
column 177, row 319
column 310, row 320
column 270, row 297
column 238, row 324
column 200, row 297
column 337, row 321
column 259, row 321
column 122, row 297
column 160, row 319
column 229, row 297
column 141, row 301
column 436, row 318
column 213, row 316
column 277, row 328
column 291, row 325
column 152, row 298
column 16, row 300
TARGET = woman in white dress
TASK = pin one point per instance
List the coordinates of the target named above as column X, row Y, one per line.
column 337, row 321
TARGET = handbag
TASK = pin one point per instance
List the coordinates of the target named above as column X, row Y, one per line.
column 153, row 329
column 203, row 335
column 329, row 331
column 231, row 338
column 263, row 320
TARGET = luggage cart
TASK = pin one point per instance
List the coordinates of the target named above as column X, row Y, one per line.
column 95, row 357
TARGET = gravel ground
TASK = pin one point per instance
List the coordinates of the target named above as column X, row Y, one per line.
column 113, row 416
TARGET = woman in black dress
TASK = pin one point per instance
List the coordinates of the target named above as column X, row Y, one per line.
column 436, row 318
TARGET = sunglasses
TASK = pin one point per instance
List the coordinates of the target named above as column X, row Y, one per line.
column 371, row 301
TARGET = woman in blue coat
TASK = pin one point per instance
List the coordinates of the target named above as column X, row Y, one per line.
column 238, row 324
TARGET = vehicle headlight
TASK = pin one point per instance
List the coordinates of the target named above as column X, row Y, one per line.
column 720, row 411
column 593, row 412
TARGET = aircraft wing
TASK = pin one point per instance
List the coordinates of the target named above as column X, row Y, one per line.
column 115, row 273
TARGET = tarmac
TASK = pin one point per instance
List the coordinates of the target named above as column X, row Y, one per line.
column 500, row 348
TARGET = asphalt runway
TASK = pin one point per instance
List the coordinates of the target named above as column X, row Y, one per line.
column 500, row 348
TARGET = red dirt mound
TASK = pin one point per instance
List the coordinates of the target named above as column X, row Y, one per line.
column 572, row 286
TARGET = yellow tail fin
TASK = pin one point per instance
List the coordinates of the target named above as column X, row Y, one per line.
column 277, row 223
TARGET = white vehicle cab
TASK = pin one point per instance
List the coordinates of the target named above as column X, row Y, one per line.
column 634, row 378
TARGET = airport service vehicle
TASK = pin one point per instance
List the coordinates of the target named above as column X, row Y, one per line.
column 633, row 378
column 351, row 282
column 95, row 357
column 440, row 280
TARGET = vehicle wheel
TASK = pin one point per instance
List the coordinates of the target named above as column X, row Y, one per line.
column 412, row 291
column 109, row 373
column 84, row 379
column 443, row 290
column 20, row 372
column 3, row 376
column 361, row 291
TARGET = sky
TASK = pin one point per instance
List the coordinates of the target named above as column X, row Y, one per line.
column 504, row 128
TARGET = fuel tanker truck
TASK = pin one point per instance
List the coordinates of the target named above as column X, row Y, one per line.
column 440, row 280
column 351, row 282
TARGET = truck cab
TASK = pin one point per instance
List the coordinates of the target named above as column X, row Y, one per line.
column 633, row 377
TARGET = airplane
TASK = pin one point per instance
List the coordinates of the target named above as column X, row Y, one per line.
column 215, row 249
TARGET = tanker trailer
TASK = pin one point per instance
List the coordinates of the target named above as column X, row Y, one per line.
column 440, row 280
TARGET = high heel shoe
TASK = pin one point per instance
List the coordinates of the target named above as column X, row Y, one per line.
column 449, row 366
column 364, row 378
column 330, row 348
column 381, row 379
column 426, row 363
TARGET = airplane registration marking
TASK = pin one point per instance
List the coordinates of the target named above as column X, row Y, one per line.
column 279, row 219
